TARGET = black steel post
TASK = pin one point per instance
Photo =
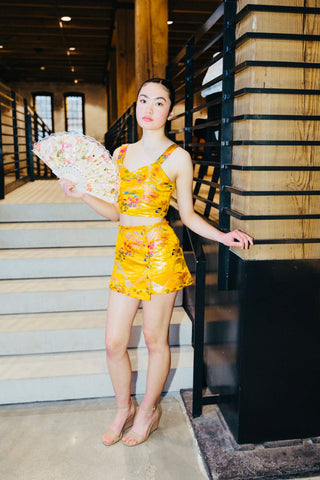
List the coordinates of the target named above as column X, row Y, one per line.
column 15, row 135
column 130, row 128
column 230, row 7
column 135, row 130
column 2, row 184
column 28, row 134
column 198, row 338
column 189, row 94
column 43, row 135
column 36, row 138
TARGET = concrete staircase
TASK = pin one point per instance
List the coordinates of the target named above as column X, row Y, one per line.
column 56, row 257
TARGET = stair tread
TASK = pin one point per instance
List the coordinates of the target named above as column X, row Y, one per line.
column 54, row 284
column 77, row 224
column 70, row 320
column 55, row 252
column 38, row 192
column 80, row 363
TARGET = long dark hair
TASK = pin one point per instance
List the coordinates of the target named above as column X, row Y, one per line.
column 167, row 84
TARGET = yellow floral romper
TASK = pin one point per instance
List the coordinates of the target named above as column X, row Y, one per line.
column 148, row 259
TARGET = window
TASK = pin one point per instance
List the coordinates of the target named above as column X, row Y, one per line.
column 74, row 112
column 43, row 105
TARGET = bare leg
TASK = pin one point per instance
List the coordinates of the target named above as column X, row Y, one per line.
column 120, row 316
column 157, row 314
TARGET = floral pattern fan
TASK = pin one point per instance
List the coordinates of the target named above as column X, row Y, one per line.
column 82, row 160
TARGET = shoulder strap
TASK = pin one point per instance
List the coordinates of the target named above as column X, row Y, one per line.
column 167, row 152
column 123, row 150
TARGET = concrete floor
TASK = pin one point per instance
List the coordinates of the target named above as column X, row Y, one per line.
column 61, row 441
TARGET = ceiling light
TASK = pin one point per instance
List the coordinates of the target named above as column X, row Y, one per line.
column 72, row 69
column 1, row 46
column 66, row 18
column 75, row 81
column 72, row 49
column 170, row 22
column 42, row 68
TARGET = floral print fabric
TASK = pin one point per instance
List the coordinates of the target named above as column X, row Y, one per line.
column 145, row 192
column 149, row 260
column 82, row 160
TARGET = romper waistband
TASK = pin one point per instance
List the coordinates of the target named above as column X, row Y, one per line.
column 142, row 227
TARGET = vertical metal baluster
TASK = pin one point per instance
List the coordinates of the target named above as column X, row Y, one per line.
column 226, row 135
column 28, row 134
column 2, row 183
column 198, row 337
column 189, row 95
column 15, row 135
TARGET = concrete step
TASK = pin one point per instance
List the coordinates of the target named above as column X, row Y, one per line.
column 75, row 331
column 58, row 234
column 56, row 295
column 56, row 212
column 56, row 262
column 34, row 378
column 53, row 295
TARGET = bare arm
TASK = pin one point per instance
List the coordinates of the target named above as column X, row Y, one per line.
column 105, row 209
column 192, row 220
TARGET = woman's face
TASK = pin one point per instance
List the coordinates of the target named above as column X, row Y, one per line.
column 153, row 106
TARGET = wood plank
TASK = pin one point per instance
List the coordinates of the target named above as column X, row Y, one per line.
column 277, row 130
column 292, row 3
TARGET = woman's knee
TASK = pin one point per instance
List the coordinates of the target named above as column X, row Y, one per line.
column 115, row 346
column 155, row 341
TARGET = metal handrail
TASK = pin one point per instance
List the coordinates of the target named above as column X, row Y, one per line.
column 20, row 127
column 123, row 130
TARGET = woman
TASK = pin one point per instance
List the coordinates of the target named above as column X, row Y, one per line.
column 149, row 263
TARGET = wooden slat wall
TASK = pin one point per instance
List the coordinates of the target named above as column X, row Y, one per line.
column 278, row 130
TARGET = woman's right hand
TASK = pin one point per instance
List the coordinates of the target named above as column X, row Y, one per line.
column 69, row 188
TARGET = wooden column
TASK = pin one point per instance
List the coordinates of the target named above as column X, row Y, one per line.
column 302, row 102
column 125, row 55
column 151, row 39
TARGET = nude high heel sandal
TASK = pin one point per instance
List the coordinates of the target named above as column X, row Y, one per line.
column 152, row 427
column 127, row 424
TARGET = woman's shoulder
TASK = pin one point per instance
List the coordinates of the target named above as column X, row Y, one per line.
column 117, row 151
column 181, row 155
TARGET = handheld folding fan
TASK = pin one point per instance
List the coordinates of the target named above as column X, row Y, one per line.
column 82, row 160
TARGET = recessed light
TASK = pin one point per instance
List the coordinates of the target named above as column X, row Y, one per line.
column 42, row 68
column 72, row 49
column 72, row 69
column 170, row 22
column 66, row 18
column 1, row 46
column 75, row 81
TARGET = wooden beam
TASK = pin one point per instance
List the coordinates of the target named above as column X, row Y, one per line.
column 151, row 39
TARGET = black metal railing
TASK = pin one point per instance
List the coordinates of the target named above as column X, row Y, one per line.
column 123, row 130
column 20, row 127
column 196, row 73
column 200, row 75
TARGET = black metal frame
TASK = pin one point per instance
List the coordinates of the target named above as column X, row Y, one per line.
column 74, row 94
column 123, row 130
column 47, row 94
column 23, row 127
column 196, row 314
column 184, row 78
